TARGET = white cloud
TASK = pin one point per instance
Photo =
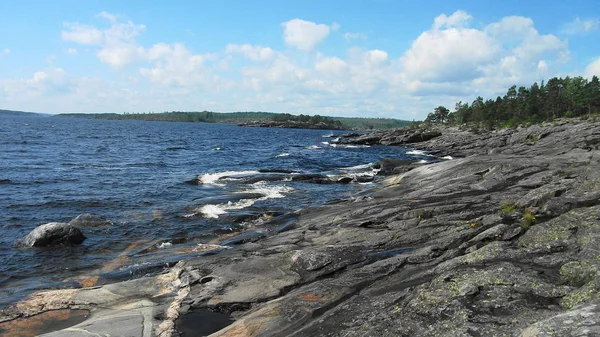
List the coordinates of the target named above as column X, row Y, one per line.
column 480, row 61
column 578, row 26
column 304, row 35
column 448, row 62
column 593, row 69
column 332, row 66
column 451, row 54
column 175, row 65
column 353, row 36
column 335, row 26
column 254, row 53
column 82, row 34
column 118, row 45
column 72, row 51
column 110, row 17
column 458, row 19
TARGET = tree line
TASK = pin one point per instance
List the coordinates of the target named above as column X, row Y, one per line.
column 559, row 97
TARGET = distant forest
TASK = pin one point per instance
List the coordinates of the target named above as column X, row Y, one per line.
column 244, row 117
column 559, row 97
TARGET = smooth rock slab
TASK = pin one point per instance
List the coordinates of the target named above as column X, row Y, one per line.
column 53, row 233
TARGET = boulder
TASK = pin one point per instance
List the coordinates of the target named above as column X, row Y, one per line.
column 53, row 233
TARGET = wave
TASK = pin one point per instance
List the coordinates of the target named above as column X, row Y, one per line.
column 213, row 178
column 213, row 211
column 357, row 167
column 352, row 146
column 447, row 157
column 269, row 191
column 285, row 154
column 417, row 153
column 313, row 147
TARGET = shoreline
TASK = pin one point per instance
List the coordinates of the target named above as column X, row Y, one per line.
column 502, row 240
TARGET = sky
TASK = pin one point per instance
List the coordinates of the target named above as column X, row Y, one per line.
column 350, row 58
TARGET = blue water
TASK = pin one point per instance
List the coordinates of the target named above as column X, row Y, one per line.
column 135, row 173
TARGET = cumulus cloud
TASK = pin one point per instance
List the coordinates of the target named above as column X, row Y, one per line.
column 578, row 26
column 118, row 45
column 593, row 69
column 254, row 53
column 452, row 60
column 176, row 66
column 169, row 64
column 72, row 51
column 354, row 36
column 82, row 34
column 447, row 53
column 304, row 35
column 510, row 51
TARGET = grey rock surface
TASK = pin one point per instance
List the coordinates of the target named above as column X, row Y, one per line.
column 504, row 241
column 52, row 234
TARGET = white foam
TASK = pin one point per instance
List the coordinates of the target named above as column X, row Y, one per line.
column 417, row 153
column 216, row 149
column 356, row 146
column 333, row 145
column 312, row 147
column 336, row 140
column 423, row 161
column 357, row 167
column 325, row 143
column 213, row 211
column 213, row 178
column 447, row 157
column 327, row 136
column 283, row 155
column 165, row 245
column 269, row 191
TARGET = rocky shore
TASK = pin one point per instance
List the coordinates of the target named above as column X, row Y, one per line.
column 501, row 240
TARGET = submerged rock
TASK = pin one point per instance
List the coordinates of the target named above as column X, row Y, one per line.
column 90, row 220
column 53, row 233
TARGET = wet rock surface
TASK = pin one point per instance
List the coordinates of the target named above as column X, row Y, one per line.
column 53, row 234
column 504, row 241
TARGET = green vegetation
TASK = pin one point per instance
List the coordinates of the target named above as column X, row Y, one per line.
column 507, row 207
column 528, row 219
column 371, row 123
column 559, row 97
column 313, row 120
column 245, row 117
column 17, row 113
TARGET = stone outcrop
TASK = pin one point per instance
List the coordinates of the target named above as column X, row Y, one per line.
column 52, row 234
column 501, row 242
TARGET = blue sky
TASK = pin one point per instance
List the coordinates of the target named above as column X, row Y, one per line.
column 368, row 58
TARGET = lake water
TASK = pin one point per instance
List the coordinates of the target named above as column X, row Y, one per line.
column 137, row 175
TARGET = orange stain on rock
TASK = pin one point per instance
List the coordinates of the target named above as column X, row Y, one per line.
column 43, row 323
column 312, row 298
